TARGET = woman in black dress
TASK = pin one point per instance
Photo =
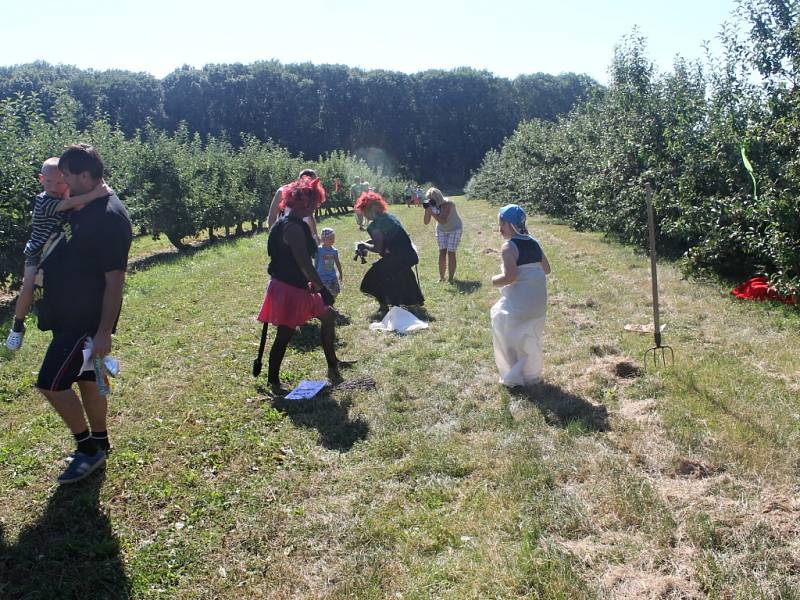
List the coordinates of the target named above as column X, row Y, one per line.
column 390, row 280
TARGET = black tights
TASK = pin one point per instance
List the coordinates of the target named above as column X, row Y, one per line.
column 284, row 335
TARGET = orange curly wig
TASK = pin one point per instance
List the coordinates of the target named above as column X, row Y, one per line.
column 369, row 200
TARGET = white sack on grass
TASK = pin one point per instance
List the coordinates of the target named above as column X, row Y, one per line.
column 399, row 320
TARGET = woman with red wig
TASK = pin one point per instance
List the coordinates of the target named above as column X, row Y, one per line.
column 389, row 280
column 293, row 293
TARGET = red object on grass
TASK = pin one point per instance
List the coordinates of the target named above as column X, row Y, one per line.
column 758, row 288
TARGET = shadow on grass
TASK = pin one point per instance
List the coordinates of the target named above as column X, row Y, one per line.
column 166, row 257
column 70, row 552
column 330, row 418
column 564, row 409
column 341, row 319
column 467, row 287
column 306, row 339
column 724, row 407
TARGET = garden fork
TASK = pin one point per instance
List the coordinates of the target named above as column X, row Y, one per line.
column 658, row 350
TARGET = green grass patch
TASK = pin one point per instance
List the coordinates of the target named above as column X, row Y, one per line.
column 437, row 483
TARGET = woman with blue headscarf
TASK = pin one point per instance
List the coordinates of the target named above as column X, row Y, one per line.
column 518, row 318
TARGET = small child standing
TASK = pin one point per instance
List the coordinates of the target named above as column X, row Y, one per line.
column 327, row 262
column 48, row 217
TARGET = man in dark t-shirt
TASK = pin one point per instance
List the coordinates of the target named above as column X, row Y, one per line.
column 83, row 279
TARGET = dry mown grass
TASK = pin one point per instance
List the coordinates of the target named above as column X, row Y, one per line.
column 605, row 481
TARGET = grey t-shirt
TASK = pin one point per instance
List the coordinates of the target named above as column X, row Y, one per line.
column 453, row 222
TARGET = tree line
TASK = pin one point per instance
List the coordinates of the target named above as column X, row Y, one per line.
column 177, row 184
column 430, row 126
column 690, row 132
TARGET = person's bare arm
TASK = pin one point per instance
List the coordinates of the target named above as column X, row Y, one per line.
column 338, row 266
column 101, row 190
column 444, row 213
column 376, row 244
column 274, row 209
column 545, row 264
column 427, row 218
column 112, row 302
column 294, row 236
column 509, row 275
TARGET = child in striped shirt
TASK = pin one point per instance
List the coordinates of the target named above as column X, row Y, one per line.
column 48, row 217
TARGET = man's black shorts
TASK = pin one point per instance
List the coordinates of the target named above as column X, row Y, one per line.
column 63, row 361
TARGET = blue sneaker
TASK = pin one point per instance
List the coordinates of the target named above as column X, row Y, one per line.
column 71, row 456
column 82, row 466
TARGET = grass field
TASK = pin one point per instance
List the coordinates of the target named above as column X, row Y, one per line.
column 605, row 481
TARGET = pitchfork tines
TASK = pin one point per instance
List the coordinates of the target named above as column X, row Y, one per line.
column 659, row 351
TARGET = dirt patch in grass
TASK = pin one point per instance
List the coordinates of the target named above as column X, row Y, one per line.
column 693, row 468
column 581, row 322
column 783, row 513
column 602, row 350
column 588, row 303
column 624, row 583
column 627, row 370
column 641, row 411
column 610, row 370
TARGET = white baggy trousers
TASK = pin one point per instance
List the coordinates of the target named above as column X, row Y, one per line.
column 518, row 320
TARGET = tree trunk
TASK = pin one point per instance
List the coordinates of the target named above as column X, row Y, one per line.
column 227, row 231
column 176, row 241
column 211, row 236
column 239, row 228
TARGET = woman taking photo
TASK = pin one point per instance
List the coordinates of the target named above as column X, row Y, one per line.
column 293, row 296
column 389, row 280
column 448, row 229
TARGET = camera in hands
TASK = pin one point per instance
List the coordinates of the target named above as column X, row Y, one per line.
column 360, row 252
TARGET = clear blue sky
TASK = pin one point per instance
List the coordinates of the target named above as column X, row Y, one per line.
column 506, row 37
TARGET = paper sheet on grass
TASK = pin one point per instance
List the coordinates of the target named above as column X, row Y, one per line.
column 306, row 390
column 646, row 328
column 399, row 320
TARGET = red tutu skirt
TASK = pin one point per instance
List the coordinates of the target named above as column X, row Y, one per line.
column 287, row 305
